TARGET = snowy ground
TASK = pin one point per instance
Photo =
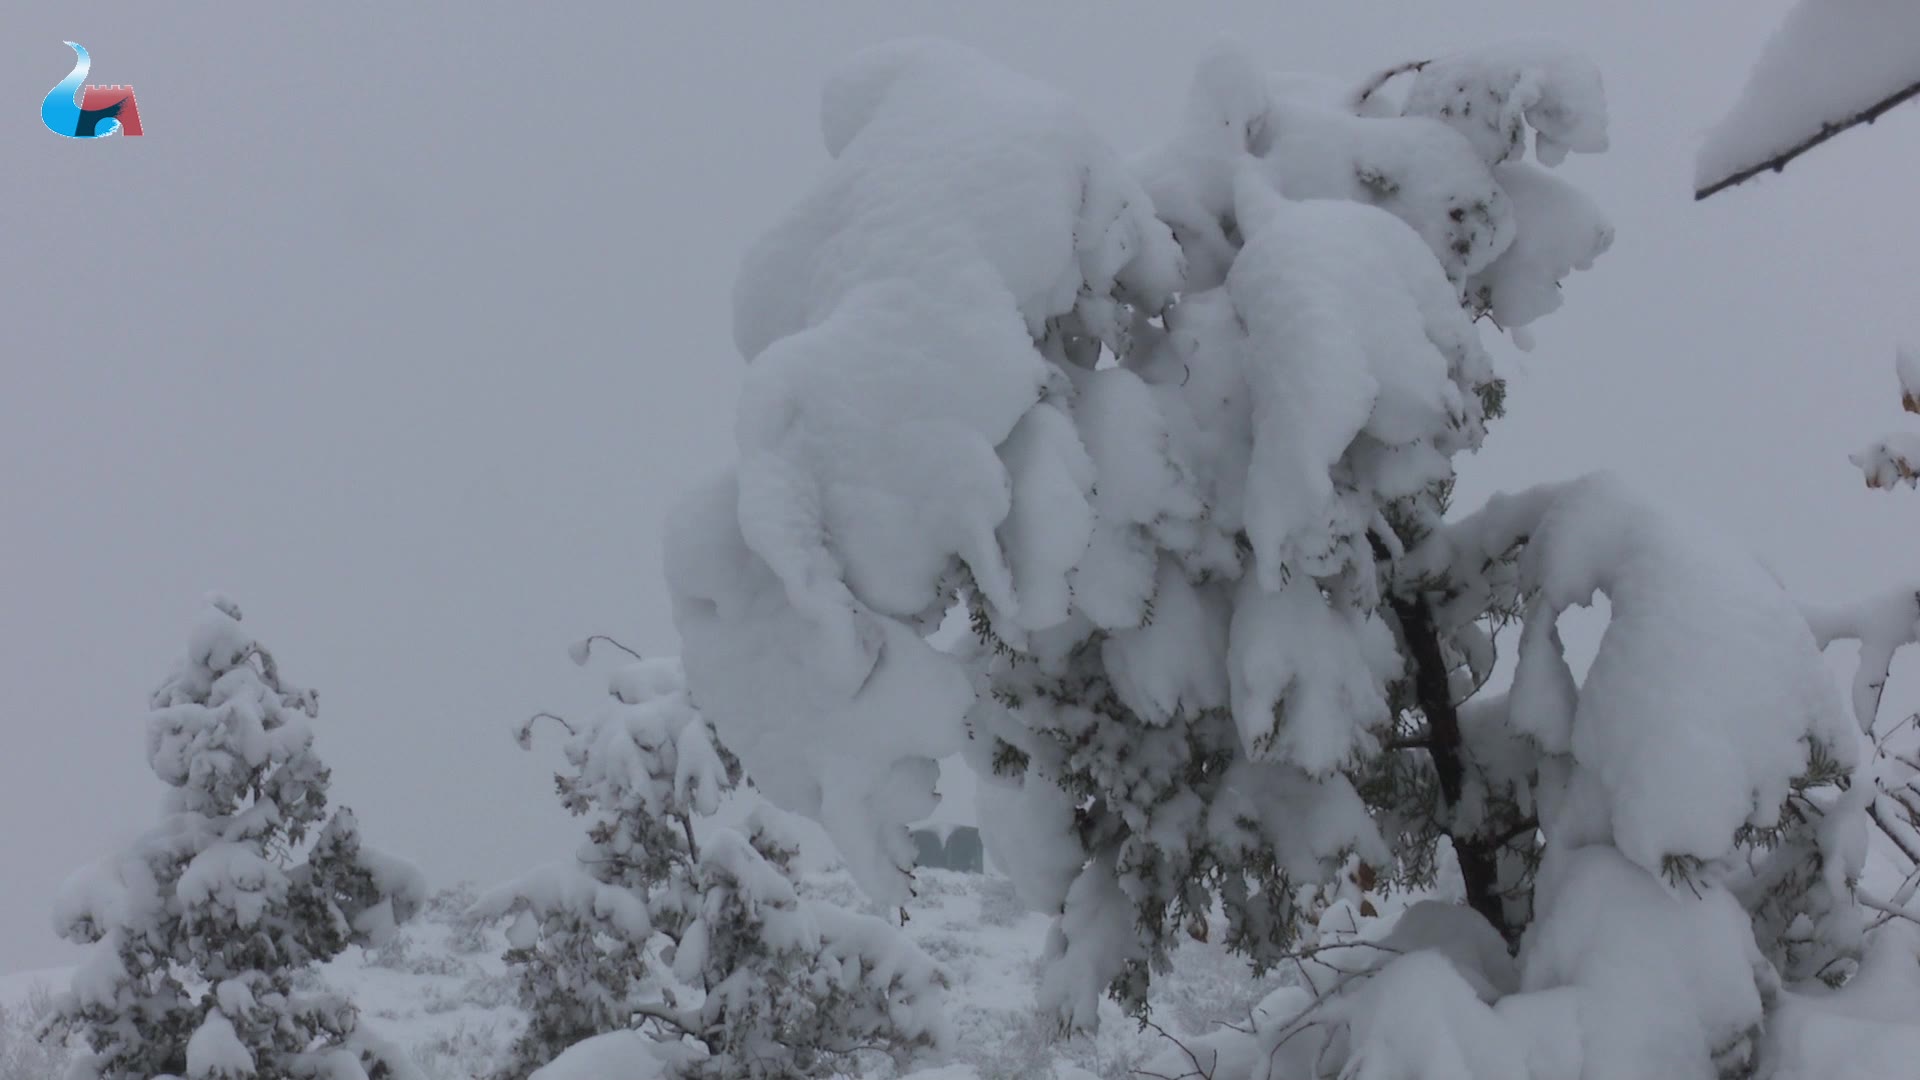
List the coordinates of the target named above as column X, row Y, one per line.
column 440, row 988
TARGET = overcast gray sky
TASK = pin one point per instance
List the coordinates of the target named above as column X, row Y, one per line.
column 404, row 324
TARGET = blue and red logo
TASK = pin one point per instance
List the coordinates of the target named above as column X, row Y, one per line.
column 89, row 112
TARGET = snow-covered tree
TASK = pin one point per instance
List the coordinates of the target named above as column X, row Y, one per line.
column 688, row 935
column 1177, row 438
column 1832, row 65
column 206, row 931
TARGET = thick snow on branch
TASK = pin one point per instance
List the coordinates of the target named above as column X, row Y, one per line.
column 1442, row 165
column 1883, row 625
column 1708, row 688
column 1493, row 94
column 1863, row 1031
column 621, row 1055
column 891, row 320
column 1831, row 65
column 1654, row 981
column 216, row 1053
column 1351, row 331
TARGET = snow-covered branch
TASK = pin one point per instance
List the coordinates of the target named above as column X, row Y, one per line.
column 1778, row 162
column 1832, row 66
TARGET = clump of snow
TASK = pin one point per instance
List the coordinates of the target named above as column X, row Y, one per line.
column 1906, row 364
column 1707, row 695
column 890, row 319
column 619, row 1055
column 1418, row 1018
column 1090, row 945
column 215, row 1052
column 1309, row 677
column 1302, row 824
column 1028, row 826
column 1883, row 625
column 1866, row 1030
column 1558, row 230
column 1350, row 331
column 1492, row 95
column 1895, row 458
column 1665, row 981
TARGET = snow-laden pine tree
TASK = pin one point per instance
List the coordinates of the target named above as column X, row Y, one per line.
column 206, row 931
column 684, row 941
column 1178, row 437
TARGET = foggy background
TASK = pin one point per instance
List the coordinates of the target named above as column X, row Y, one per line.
column 404, row 326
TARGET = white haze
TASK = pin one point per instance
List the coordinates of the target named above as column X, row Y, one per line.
column 405, row 325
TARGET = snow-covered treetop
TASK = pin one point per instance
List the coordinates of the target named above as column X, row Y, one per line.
column 642, row 767
column 199, row 929
column 668, row 920
column 222, row 715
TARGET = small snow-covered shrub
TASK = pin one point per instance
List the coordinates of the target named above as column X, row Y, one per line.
column 1208, row 986
column 465, row 1052
column 836, row 888
column 466, row 933
column 698, row 939
column 24, row 1056
column 1000, row 903
column 489, row 990
column 203, row 932
column 403, row 953
column 1005, row 1045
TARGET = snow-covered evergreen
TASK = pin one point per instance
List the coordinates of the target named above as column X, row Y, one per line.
column 205, row 932
column 1178, row 437
column 683, row 940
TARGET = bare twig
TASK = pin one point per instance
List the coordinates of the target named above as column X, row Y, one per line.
column 1199, row 1070
column 668, row 1017
column 1827, row 131
column 1380, row 81
column 1905, row 845
column 587, row 645
column 1912, row 721
column 1886, row 908
column 1901, row 898
column 524, row 733
column 1300, row 1021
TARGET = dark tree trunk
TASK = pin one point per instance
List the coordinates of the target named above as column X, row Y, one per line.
column 1478, row 855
